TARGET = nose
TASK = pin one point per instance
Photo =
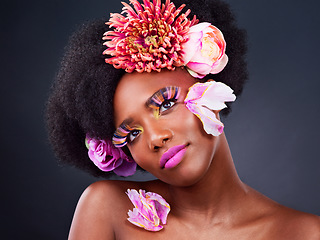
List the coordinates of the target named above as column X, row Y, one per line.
column 159, row 135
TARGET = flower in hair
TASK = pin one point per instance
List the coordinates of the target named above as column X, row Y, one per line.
column 205, row 50
column 109, row 158
column 202, row 98
column 149, row 37
column 151, row 210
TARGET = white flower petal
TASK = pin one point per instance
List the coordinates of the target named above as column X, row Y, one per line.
column 199, row 27
column 216, row 95
column 208, row 118
column 194, row 74
column 203, row 98
column 220, row 64
column 192, row 46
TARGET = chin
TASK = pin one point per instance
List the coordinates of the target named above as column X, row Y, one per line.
column 185, row 176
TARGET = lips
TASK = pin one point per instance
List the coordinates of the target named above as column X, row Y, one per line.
column 173, row 156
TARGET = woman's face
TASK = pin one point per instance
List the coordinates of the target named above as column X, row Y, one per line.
column 165, row 138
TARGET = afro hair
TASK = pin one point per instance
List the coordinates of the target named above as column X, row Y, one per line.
column 81, row 98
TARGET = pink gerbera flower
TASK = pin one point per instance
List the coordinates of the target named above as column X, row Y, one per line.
column 149, row 37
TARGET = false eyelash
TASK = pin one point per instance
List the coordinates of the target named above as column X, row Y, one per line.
column 162, row 95
column 119, row 138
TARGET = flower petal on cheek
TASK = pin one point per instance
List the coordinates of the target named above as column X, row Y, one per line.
column 215, row 95
column 195, row 92
column 203, row 98
column 208, row 118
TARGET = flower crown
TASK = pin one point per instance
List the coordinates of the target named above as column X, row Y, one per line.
column 153, row 36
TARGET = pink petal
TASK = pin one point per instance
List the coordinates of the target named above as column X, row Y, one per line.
column 215, row 96
column 110, row 165
column 196, row 91
column 96, row 157
column 199, row 58
column 219, row 65
column 211, row 51
column 202, row 98
column 210, row 123
column 107, row 157
column 200, row 68
column 194, row 74
column 163, row 208
column 150, row 209
column 152, row 212
column 134, row 198
column 93, row 144
column 139, row 201
column 137, row 219
column 192, row 46
column 199, row 27
column 126, row 169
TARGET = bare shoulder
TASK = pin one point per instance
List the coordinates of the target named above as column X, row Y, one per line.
column 275, row 221
column 287, row 223
column 298, row 225
column 98, row 210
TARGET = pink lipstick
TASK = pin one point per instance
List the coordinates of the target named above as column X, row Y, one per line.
column 173, row 156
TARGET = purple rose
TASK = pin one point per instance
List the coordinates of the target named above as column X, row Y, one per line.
column 109, row 158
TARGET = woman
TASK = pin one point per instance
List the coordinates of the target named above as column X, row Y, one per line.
column 154, row 99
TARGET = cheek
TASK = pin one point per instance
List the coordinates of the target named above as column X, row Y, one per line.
column 142, row 155
column 138, row 154
column 190, row 123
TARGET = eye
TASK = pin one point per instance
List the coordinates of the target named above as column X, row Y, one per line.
column 133, row 134
column 167, row 104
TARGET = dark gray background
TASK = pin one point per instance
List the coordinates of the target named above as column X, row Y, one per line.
column 273, row 130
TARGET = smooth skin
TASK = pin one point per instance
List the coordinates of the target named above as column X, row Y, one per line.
column 207, row 198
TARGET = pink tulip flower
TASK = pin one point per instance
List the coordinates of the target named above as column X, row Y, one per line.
column 150, row 210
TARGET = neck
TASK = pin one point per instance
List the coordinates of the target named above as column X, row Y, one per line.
column 223, row 195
